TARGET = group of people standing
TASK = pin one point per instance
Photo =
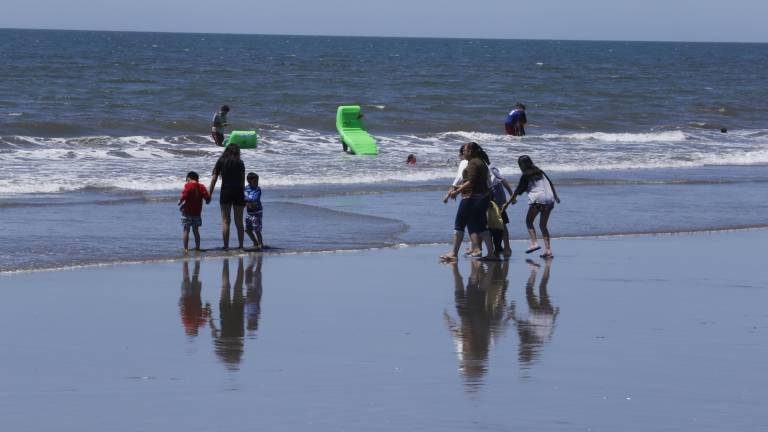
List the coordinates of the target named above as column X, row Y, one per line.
column 482, row 209
column 239, row 195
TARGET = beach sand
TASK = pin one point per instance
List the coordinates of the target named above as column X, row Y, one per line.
column 653, row 333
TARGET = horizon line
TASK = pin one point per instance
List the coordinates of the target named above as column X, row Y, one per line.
column 381, row 36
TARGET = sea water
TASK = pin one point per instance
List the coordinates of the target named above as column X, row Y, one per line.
column 98, row 129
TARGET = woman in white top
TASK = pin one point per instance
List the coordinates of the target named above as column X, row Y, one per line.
column 541, row 199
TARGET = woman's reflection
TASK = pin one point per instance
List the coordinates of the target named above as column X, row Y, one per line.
column 537, row 328
column 228, row 336
column 193, row 314
column 481, row 308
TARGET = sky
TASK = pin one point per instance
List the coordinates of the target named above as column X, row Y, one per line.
column 652, row 20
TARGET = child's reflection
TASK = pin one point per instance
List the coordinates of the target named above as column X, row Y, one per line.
column 193, row 314
column 253, row 294
column 228, row 337
column 537, row 329
column 481, row 307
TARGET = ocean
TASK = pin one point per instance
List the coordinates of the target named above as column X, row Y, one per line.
column 98, row 129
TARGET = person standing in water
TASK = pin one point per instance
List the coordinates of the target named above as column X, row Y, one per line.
column 472, row 212
column 541, row 200
column 516, row 120
column 231, row 169
column 498, row 184
column 219, row 122
column 254, row 210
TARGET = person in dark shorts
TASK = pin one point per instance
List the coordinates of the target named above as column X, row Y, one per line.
column 219, row 121
column 542, row 197
column 254, row 210
column 516, row 120
column 231, row 169
column 473, row 208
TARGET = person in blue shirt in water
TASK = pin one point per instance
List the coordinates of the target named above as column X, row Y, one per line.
column 516, row 120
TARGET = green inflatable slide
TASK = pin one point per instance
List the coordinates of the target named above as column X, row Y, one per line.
column 244, row 139
column 354, row 138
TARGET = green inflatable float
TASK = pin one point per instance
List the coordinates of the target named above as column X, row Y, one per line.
column 244, row 139
column 354, row 138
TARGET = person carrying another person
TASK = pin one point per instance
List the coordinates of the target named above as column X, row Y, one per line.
column 219, row 122
column 516, row 120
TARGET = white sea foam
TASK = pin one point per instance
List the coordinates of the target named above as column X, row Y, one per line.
column 666, row 137
column 308, row 157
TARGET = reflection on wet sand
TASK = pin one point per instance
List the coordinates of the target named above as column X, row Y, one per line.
column 193, row 315
column 253, row 294
column 228, row 335
column 236, row 313
column 537, row 328
column 481, row 309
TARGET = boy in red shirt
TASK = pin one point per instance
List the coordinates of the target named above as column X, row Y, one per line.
column 191, row 206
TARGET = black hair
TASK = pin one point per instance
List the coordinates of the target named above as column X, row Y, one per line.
column 473, row 149
column 252, row 176
column 484, row 156
column 193, row 175
column 224, row 108
column 519, row 105
column 232, row 151
column 476, row 151
column 527, row 167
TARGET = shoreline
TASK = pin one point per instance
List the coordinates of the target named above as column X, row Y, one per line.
column 217, row 254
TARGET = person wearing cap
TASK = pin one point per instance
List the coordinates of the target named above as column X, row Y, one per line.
column 219, row 121
column 516, row 120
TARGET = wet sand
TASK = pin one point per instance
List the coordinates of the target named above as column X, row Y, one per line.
column 625, row 333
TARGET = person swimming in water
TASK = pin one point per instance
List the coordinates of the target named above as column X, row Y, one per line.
column 516, row 120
